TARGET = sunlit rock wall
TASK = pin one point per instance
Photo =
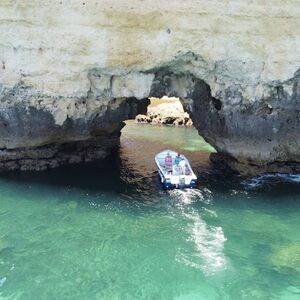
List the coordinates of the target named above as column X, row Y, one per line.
column 71, row 71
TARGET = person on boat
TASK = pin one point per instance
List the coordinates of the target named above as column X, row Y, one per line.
column 168, row 161
column 182, row 166
column 176, row 171
column 178, row 159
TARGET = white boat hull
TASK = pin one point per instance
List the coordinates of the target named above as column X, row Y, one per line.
column 175, row 177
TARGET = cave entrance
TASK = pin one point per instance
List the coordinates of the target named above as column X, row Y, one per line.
column 130, row 95
column 164, row 124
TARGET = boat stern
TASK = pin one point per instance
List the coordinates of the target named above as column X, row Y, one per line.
column 176, row 182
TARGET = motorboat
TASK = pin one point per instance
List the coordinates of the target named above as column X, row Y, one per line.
column 175, row 171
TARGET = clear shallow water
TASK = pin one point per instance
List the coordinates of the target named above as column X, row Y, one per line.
column 108, row 231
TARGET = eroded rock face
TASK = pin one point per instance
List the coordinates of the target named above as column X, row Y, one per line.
column 165, row 111
column 72, row 71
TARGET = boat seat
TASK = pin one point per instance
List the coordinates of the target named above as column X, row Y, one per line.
column 167, row 169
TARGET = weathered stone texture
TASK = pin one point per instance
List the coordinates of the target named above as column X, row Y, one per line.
column 72, row 71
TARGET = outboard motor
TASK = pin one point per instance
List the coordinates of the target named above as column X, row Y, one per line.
column 182, row 182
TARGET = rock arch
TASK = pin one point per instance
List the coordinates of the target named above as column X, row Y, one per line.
column 40, row 131
column 63, row 95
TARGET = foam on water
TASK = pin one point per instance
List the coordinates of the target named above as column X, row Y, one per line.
column 290, row 177
column 209, row 244
column 260, row 180
column 189, row 196
column 208, row 254
column 2, row 281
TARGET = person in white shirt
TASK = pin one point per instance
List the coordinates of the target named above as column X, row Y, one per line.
column 182, row 166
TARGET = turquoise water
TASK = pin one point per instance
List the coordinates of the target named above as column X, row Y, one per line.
column 108, row 231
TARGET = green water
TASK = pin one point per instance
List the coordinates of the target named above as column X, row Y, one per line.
column 108, row 230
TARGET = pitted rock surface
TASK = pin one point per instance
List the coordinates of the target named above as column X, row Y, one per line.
column 71, row 73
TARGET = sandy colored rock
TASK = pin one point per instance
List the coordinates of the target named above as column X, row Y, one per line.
column 165, row 111
column 71, row 72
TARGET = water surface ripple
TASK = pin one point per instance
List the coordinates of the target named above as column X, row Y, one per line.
column 109, row 231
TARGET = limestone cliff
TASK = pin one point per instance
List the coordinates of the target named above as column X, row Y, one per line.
column 165, row 111
column 71, row 71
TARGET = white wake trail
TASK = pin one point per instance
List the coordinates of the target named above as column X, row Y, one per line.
column 208, row 251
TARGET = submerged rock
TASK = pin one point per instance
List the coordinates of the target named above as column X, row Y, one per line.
column 235, row 66
column 287, row 257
